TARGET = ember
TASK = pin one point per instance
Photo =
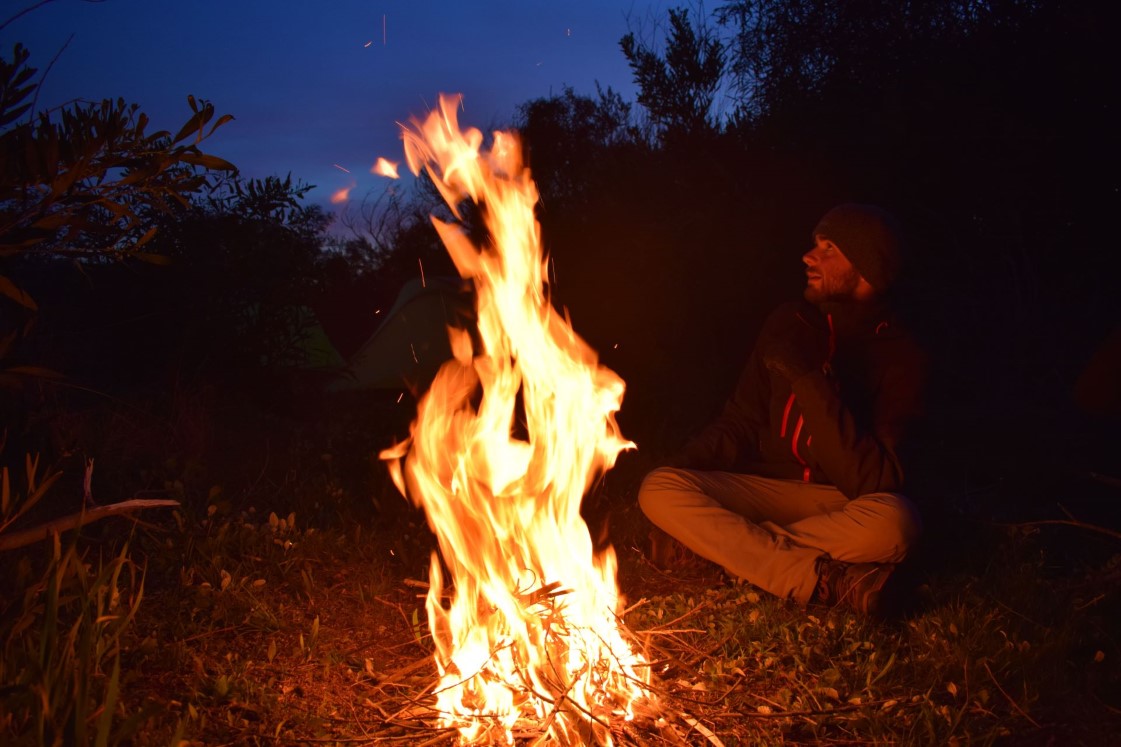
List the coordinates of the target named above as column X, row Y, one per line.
column 385, row 167
column 531, row 642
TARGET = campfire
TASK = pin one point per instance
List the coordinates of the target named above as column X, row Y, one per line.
column 508, row 439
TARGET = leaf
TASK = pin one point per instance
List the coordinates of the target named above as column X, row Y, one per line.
column 12, row 116
column 193, row 125
column 9, row 289
column 52, row 221
column 109, row 707
column 221, row 121
column 161, row 260
column 214, row 163
column 882, row 672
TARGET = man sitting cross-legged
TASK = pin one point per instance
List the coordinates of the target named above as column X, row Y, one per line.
column 796, row 486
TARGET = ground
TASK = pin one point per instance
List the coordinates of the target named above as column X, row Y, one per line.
column 233, row 625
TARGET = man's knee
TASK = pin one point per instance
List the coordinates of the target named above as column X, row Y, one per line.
column 905, row 518
column 655, row 494
column 898, row 524
column 908, row 520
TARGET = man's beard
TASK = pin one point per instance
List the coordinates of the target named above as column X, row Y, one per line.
column 837, row 289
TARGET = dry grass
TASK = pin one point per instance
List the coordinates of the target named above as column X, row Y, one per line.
column 256, row 630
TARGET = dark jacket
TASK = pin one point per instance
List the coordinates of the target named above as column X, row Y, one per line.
column 844, row 424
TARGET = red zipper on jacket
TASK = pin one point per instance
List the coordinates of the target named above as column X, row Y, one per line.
column 790, row 402
column 786, row 415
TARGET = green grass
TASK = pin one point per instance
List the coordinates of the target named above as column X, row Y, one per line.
column 239, row 626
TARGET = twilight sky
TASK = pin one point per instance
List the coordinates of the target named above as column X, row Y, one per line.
column 319, row 83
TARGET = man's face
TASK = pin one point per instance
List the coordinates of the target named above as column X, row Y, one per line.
column 829, row 274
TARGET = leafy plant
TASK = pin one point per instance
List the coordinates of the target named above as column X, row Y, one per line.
column 86, row 179
column 61, row 632
column 13, row 506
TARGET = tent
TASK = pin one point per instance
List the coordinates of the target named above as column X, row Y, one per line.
column 411, row 344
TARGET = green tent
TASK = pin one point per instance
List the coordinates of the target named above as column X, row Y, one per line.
column 411, row 344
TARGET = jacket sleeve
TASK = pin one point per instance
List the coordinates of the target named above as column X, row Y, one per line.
column 734, row 436
column 863, row 460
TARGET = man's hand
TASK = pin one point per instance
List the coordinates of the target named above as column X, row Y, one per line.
column 796, row 351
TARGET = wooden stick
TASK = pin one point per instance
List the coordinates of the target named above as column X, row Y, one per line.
column 1066, row 523
column 73, row 521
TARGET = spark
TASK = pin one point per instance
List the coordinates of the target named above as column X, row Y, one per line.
column 413, row 351
column 340, row 168
column 383, row 29
column 400, row 397
column 422, row 283
column 384, row 167
column 367, row 45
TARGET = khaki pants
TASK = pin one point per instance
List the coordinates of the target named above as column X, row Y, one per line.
column 769, row 532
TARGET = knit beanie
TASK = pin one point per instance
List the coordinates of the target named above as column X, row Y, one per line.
column 869, row 237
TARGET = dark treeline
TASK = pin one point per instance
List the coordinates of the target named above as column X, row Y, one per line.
column 674, row 223
column 986, row 127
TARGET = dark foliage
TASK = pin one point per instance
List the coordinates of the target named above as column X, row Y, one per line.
column 678, row 89
column 674, row 229
column 983, row 126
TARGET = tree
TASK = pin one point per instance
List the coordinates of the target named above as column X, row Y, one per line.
column 679, row 88
column 569, row 136
column 783, row 52
column 246, row 268
column 87, row 180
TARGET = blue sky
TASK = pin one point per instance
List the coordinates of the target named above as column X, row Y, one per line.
column 315, row 83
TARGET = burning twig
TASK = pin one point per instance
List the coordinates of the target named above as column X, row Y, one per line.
column 701, row 729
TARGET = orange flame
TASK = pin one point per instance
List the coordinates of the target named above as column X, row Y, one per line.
column 531, row 639
column 341, row 195
column 383, row 167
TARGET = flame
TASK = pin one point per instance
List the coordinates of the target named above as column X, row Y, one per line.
column 531, row 639
column 384, row 167
column 341, row 195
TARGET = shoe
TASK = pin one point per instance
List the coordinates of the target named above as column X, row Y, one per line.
column 666, row 553
column 855, row 586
